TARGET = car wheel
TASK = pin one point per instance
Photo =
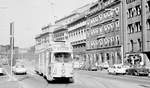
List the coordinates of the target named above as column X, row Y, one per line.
column 146, row 74
column 71, row 80
column 116, row 73
column 124, row 73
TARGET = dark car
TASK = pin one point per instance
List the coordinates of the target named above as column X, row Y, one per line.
column 137, row 71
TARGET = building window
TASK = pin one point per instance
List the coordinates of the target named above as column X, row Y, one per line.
column 100, row 17
column 129, row 28
column 112, row 26
column 109, row 43
column 107, row 57
column 148, row 4
column 117, row 40
column 140, row 44
column 130, row 1
column 113, row 40
column 134, row 11
column 113, row 57
column 136, row 27
column 148, row 24
column 138, row 10
column 102, row 42
column 132, row 28
column 130, row 13
column 117, row 10
column 117, row 24
column 138, row 24
column 102, row 57
column 119, row 60
column 131, row 41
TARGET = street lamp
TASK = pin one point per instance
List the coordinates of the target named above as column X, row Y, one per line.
column 11, row 45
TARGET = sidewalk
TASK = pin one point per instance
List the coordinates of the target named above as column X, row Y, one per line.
column 10, row 84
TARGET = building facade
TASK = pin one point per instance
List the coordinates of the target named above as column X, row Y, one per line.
column 77, row 33
column 61, row 32
column 5, row 52
column 44, row 39
column 77, row 36
column 137, row 34
column 105, row 33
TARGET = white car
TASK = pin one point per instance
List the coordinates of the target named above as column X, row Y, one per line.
column 117, row 69
column 19, row 69
column 1, row 70
column 104, row 65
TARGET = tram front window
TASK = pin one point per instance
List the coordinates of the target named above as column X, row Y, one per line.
column 63, row 57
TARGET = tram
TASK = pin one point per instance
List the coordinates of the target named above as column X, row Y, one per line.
column 56, row 62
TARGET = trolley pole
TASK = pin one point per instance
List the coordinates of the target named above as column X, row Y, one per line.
column 11, row 45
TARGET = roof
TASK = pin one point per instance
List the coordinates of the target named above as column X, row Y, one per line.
column 65, row 17
column 40, row 35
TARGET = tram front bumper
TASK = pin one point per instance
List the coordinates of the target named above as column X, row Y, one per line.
column 63, row 75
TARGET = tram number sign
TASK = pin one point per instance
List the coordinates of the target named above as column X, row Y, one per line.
column 62, row 48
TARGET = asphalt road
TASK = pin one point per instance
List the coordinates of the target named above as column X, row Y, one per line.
column 83, row 79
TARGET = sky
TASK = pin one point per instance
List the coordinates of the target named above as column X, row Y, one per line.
column 29, row 16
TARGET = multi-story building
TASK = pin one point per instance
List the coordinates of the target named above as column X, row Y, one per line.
column 77, row 36
column 45, row 38
column 77, row 33
column 61, row 32
column 5, row 52
column 137, row 36
column 105, row 33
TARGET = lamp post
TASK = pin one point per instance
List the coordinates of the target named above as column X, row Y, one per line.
column 11, row 44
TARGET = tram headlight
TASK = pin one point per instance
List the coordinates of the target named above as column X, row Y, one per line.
column 55, row 72
column 63, row 71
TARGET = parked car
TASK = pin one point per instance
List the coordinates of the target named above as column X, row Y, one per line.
column 117, row 69
column 137, row 71
column 103, row 66
column 1, row 70
column 92, row 68
column 19, row 69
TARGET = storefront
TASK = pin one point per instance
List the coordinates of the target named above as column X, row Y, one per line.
column 135, row 59
column 111, row 56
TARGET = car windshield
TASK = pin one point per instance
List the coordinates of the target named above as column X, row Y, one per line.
column 119, row 67
column 63, row 57
column 20, row 66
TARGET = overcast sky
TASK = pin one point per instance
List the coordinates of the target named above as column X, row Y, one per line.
column 30, row 15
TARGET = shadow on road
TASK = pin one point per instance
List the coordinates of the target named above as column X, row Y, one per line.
column 4, row 74
column 59, row 81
